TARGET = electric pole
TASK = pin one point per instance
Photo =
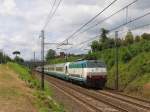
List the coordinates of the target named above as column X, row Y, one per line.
column 116, row 60
column 1, row 52
column 42, row 59
column 34, row 65
column 66, row 56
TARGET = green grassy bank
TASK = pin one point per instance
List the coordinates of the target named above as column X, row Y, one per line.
column 43, row 99
column 134, row 67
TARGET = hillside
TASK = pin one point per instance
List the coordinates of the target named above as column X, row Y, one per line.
column 134, row 67
column 20, row 91
column 132, row 75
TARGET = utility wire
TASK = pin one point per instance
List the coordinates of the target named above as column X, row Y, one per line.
column 88, row 22
column 50, row 3
column 49, row 15
column 96, row 37
column 130, row 21
column 52, row 13
column 135, row 28
column 107, row 18
column 113, row 29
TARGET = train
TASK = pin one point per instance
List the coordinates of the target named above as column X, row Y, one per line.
column 90, row 73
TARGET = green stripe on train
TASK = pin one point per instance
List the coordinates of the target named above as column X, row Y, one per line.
column 64, row 76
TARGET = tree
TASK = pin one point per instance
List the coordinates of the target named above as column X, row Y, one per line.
column 19, row 60
column 50, row 54
column 4, row 58
column 16, row 53
column 103, row 43
column 137, row 38
column 104, row 35
column 145, row 36
column 129, row 39
column 110, row 43
column 95, row 46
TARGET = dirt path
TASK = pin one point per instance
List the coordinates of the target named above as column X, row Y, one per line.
column 15, row 96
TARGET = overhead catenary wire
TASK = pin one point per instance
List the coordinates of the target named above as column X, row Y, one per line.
column 98, row 23
column 113, row 29
column 136, row 28
column 132, row 29
column 50, row 3
column 89, row 21
column 49, row 15
column 55, row 10
column 52, row 13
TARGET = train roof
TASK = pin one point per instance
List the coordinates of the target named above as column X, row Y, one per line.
column 85, row 61
column 75, row 62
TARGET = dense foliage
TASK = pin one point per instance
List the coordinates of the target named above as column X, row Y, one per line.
column 126, row 53
column 4, row 58
column 19, row 60
column 134, row 61
column 106, row 42
column 50, row 54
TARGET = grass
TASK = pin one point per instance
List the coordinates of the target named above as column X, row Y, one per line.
column 11, row 88
column 133, row 76
column 43, row 99
column 134, row 66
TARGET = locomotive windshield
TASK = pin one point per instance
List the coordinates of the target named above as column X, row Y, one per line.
column 92, row 64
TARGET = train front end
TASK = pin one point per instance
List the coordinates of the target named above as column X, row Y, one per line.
column 96, row 74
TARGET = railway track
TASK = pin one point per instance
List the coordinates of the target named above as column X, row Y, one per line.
column 126, row 98
column 78, row 96
column 113, row 101
column 91, row 105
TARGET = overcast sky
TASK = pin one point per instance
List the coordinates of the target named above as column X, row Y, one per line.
column 22, row 20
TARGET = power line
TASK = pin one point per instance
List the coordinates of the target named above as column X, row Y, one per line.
column 89, row 21
column 52, row 13
column 96, row 37
column 113, row 29
column 126, row 7
column 129, row 22
column 50, row 2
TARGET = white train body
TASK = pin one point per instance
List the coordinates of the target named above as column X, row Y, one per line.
column 92, row 73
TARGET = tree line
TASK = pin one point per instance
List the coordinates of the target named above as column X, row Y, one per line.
column 5, row 58
column 106, row 42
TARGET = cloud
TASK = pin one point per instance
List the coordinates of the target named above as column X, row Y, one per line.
column 22, row 20
column 8, row 7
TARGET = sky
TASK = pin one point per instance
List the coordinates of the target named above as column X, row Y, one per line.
column 22, row 20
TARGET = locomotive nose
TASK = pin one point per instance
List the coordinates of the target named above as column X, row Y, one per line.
column 96, row 79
